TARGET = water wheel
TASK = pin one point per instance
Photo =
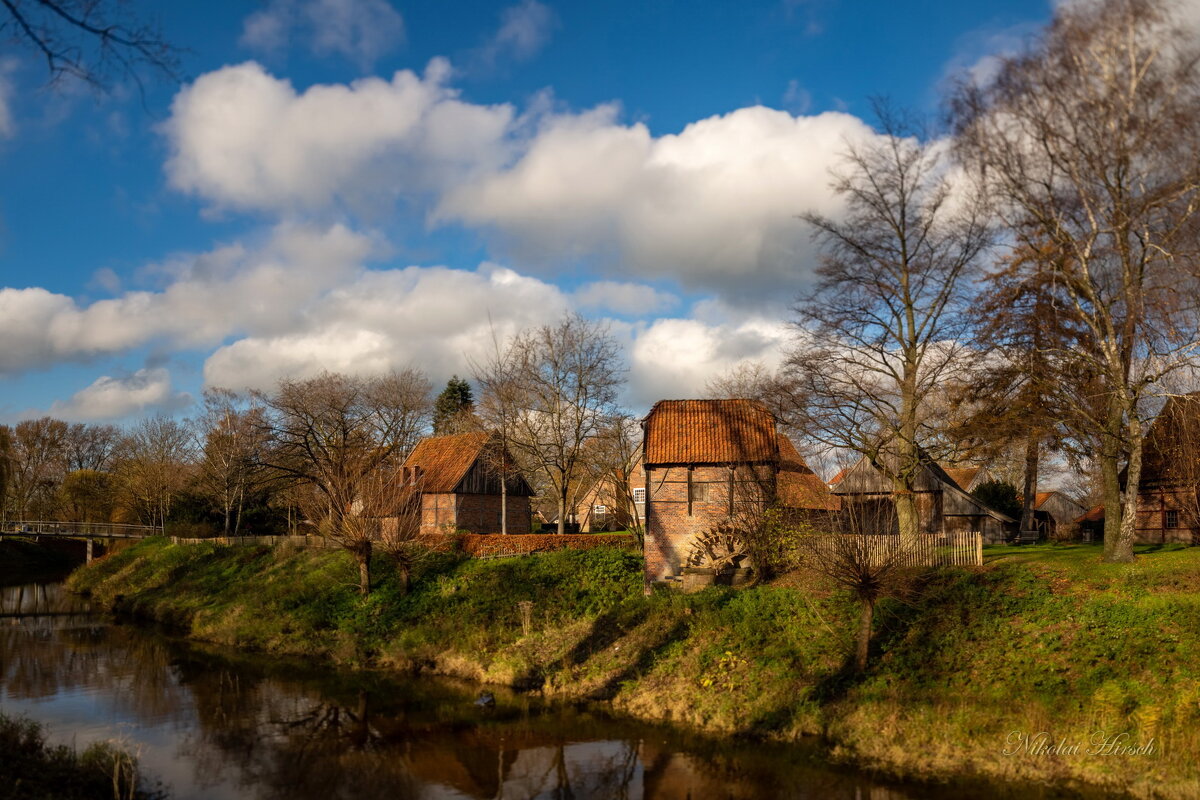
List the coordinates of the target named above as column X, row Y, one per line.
column 719, row 549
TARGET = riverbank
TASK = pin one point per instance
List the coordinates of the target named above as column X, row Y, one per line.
column 966, row 677
column 32, row 769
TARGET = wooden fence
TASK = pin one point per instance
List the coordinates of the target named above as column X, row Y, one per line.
column 925, row 550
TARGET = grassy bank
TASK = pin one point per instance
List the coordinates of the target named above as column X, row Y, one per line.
column 1040, row 640
column 31, row 769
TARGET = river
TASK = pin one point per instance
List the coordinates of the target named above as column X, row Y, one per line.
column 211, row 723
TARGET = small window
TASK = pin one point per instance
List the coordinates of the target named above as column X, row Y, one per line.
column 639, row 495
column 698, row 492
column 1171, row 518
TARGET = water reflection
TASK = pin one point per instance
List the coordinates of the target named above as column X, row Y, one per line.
column 211, row 724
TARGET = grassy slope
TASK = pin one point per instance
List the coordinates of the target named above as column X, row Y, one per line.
column 1041, row 639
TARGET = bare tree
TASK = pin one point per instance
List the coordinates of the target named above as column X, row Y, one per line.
column 560, row 385
column 345, row 437
column 152, row 464
column 6, row 468
column 870, row 566
column 38, row 466
column 883, row 328
column 232, row 444
column 394, row 498
column 612, row 457
column 90, row 446
column 90, row 40
column 1088, row 143
column 1013, row 399
column 497, row 377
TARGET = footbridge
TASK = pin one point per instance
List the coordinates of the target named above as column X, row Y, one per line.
column 90, row 532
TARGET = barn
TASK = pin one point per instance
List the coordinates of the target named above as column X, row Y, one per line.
column 461, row 489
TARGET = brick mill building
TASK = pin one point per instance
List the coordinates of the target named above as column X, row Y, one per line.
column 459, row 479
column 702, row 459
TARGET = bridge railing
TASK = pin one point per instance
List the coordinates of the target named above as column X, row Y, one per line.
column 108, row 530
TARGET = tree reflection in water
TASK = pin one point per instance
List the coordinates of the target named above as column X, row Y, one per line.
column 238, row 726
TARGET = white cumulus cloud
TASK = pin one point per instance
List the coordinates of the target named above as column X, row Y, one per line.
column 359, row 30
column 524, row 30
column 230, row 290
column 245, row 139
column 109, row 398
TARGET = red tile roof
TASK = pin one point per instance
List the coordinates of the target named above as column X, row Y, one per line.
column 1094, row 515
column 444, row 460
column 710, row 432
column 1040, row 498
column 963, row 476
column 836, row 479
column 797, row 485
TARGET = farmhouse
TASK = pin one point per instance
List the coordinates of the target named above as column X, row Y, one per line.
column 1168, row 501
column 1168, row 504
column 709, row 462
column 1054, row 513
column 459, row 477
column 608, row 506
column 943, row 505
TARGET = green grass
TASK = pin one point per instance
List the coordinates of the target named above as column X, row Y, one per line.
column 31, row 769
column 1042, row 638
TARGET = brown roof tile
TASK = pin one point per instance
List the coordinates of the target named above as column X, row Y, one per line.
column 962, row 476
column 1095, row 514
column 444, row 460
column 797, row 485
column 710, row 432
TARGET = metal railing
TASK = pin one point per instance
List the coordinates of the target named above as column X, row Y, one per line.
column 102, row 530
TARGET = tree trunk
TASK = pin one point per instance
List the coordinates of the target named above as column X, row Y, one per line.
column 1111, row 475
column 864, row 635
column 562, row 510
column 1032, row 451
column 363, row 554
column 503, row 504
column 1122, row 550
column 907, row 518
column 405, row 571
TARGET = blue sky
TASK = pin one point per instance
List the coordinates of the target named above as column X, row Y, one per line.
column 358, row 185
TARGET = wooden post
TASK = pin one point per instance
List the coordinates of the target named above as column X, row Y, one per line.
column 90, row 549
column 979, row 548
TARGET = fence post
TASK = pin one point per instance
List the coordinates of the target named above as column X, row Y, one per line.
column 979, row 548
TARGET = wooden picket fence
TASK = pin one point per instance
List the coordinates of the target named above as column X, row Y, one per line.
column 963, row 549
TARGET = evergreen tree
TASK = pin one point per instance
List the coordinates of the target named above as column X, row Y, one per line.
column 452, row 406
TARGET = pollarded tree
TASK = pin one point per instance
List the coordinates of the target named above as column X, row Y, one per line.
column 1089, row 144
column 884, row 327
column 346, row 438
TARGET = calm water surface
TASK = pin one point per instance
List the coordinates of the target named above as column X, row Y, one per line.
column 210, row 723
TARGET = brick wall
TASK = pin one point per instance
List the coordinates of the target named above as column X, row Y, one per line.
column 480, row 513
column 1152, row 508
column 671, row 521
